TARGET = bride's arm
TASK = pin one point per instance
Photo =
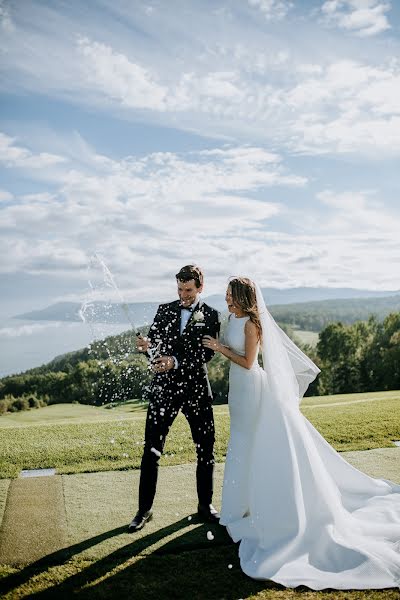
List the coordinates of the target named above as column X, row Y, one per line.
column 250, row 347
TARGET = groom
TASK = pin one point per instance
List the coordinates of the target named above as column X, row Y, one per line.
column 180, row 382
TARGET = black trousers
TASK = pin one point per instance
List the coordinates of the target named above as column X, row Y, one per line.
column 162, row 411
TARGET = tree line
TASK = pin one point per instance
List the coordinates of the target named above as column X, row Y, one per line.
column 361, row 357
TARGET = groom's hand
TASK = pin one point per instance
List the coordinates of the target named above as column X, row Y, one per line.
column 163, row 364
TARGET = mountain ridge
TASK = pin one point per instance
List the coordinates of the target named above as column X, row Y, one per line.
column 143, row 312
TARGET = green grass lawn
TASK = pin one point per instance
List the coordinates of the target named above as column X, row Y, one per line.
column 172, row 558
column 71, row 413
column 194, row 575
column 75, row 438
column 306, row 337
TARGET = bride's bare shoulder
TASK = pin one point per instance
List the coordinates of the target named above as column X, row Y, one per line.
column 250, row 327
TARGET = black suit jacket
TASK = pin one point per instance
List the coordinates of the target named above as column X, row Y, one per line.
column 191, row 374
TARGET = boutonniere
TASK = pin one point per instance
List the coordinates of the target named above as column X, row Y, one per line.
column 198, row 316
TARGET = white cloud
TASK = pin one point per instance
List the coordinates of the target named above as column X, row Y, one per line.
column 272, row 9
column 119, row 78
column 146, row 216
column 344, row 106
column 348, row 81
column 349, row 107
column 359, row 210
column 354, row 240
column 140, row 207
column 206, row 93
column 249, row 83
column 362, row 17
column 231, row 74
column 130, row 84
column 12, row 155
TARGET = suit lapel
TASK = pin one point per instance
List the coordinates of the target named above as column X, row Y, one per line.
column 176, row 321
column 191, row 319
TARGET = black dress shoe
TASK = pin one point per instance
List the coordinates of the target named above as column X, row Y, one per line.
column 140, row 520
column 208, row 513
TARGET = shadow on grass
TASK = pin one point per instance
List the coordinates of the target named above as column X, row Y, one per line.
column 188, row 566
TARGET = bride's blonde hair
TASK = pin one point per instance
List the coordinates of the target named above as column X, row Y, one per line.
column 244, row 296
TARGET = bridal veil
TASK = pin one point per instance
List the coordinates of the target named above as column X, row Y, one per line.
column 314, row 519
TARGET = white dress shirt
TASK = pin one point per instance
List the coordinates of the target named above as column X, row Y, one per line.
column 185, row 315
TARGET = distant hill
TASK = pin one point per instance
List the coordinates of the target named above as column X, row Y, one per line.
column 143, row 312
column 305, row 316
column 315, row 294
column 314, row 316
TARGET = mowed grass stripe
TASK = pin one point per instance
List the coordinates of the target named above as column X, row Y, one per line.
column 34, row 523
column 99, row 507
column 4, row 485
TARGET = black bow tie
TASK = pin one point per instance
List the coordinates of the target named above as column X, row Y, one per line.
column 189, row 308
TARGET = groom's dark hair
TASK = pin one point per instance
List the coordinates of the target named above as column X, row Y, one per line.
column 191, row 272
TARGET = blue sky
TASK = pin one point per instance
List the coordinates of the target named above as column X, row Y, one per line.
column 254, row 137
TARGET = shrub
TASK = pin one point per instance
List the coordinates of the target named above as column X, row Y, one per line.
column 4, row 404
column 21, row 403
column 36, row 401
column 24, row 402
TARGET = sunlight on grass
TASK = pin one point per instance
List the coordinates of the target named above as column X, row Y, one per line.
column 65, row 413
column 76, row 438
column 100, row 562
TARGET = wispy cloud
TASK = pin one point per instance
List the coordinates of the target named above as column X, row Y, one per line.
column 358, row 207
column 12, row 155
column 118, row 77
column 306, row 109
column 345, row 106
column 147, row 214
column 362, row 17
column 133, row 86
column 272, row 9
column 139, row 209
column 247, row 84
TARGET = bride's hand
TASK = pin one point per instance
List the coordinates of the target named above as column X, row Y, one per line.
column 211, row 343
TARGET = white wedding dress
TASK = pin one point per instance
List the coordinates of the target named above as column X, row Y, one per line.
column 302, row 514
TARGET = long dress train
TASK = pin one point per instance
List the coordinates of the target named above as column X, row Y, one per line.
column 302, row 514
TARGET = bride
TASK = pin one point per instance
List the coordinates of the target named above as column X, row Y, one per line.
column 302, row 514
